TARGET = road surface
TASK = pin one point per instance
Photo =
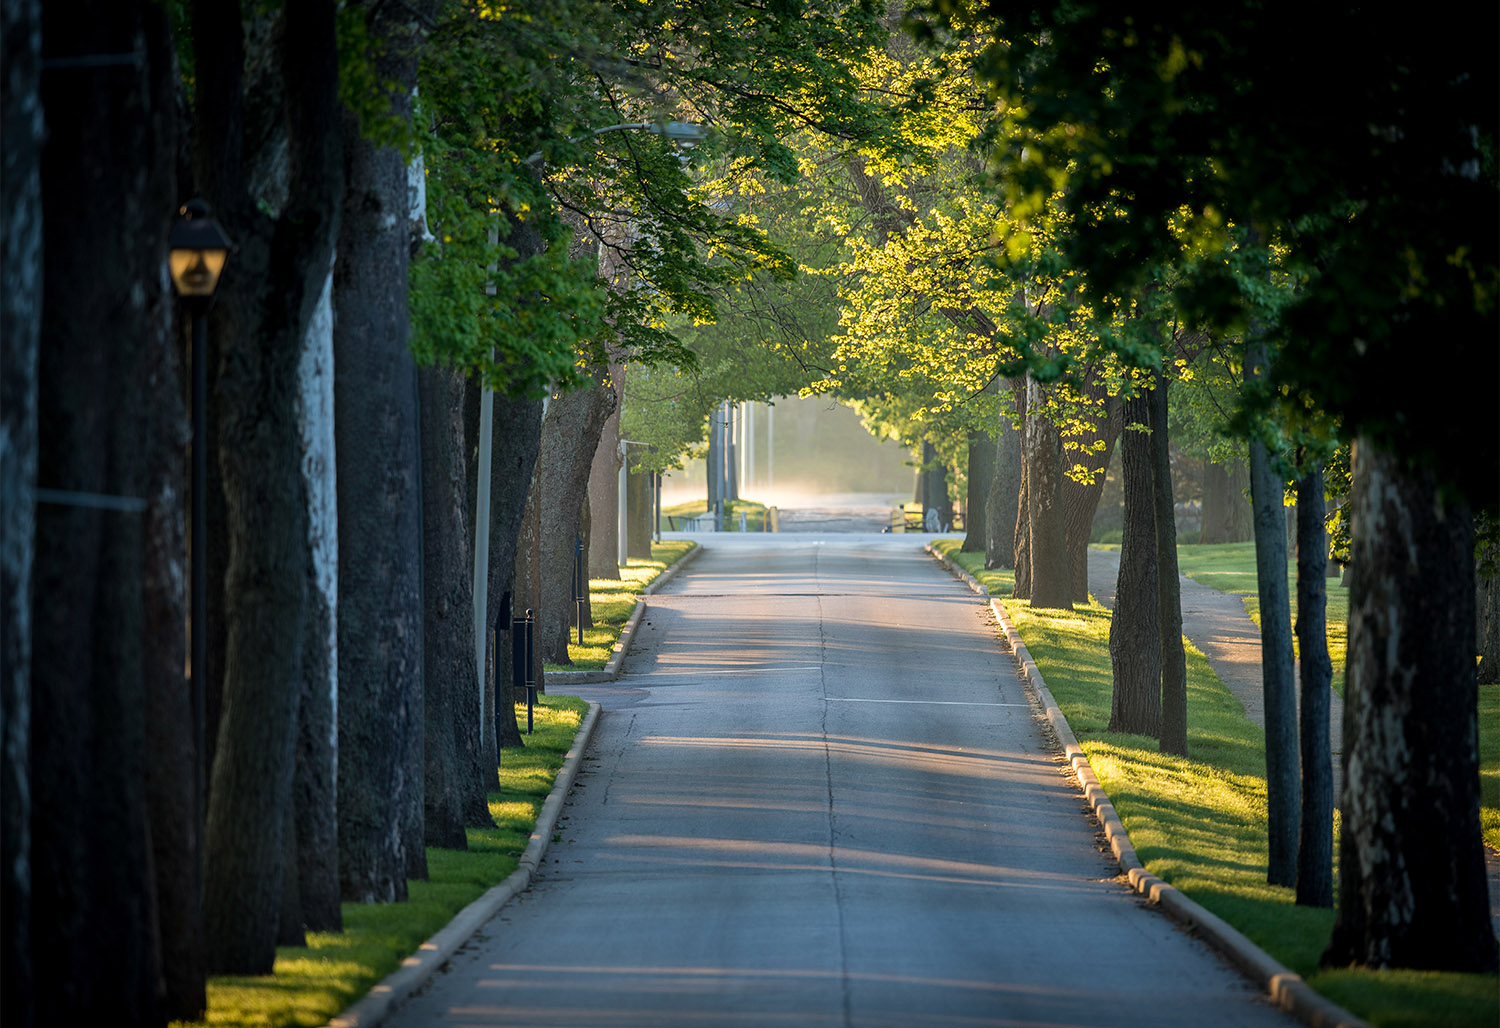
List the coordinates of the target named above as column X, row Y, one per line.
column 819, row 797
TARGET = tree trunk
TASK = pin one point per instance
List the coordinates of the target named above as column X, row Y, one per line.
column 379, row 501
column 1168, row 589
column 315, row 779
column 1315, row 841
column 1487, row 599
column 1226, row 510
column 107, row 191
column 604, row 490
column 452, row 702
column 569, row 435
column 269, row 296
column 1051, row 586
column 1282, row 789
column 981, row 476
column 1002, row 504
column 1412, row 882
column 1081, row 500
column 518, row 433
column 22, row 129
column 1135, row 627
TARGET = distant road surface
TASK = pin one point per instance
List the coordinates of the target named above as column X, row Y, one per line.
column 819, row 797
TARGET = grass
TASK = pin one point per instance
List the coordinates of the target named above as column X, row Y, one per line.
column 1200, row 822
column 313, row 983
column 1230, row 568
column 612, row 600
column 755, row 513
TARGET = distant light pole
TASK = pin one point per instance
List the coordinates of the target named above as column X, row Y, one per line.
column 198, row 251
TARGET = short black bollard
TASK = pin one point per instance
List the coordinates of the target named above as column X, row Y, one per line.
column 530, row 670
column 578, row 585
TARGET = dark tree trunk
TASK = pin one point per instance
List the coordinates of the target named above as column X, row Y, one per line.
column 1412, row 882
column 569, row 435
column 1315, row 842
column 381, row 767
column 107, row 193
column 453, row 705
column 980, row 477
column 1021, row 587
column 1226, row 509
column 1051, row 586
column 1282, row 789
column 1168, row 589
column 518, row 433
column 1002, row 504
column 1487, row 598
column 604, row 489
column 281, row 267
column 22, row 130
column 1135, row 627
column 1081, row 500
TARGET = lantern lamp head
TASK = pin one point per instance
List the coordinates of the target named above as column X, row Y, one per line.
column 199, row 249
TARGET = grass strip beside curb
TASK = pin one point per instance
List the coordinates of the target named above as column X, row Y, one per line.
column 394, row 989
column 617, row 605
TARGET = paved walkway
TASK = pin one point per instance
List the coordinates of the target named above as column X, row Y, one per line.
column 1217, row 624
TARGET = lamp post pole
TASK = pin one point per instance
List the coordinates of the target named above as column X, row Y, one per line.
column 198, row 251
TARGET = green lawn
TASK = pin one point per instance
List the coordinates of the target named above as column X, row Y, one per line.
column 1199, row 822
column 612, row 601
column 755, row 513
column 312, row 984
column 1230, row 568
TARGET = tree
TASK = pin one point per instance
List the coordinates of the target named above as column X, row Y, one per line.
column 1315, row 838
column 281, row 267
column 20, row 327
column 381, row 842
column 1135, row 627
column 1370, row 162
column 99, row 426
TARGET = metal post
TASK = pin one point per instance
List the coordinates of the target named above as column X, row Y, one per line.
column 198, row 546
column 530, row 668
column 578, row 584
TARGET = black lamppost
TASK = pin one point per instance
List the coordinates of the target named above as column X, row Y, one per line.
column 199, row 249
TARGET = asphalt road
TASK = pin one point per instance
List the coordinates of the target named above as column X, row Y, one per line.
column 819, row 796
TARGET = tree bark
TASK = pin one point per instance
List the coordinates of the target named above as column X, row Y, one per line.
column 1487, row 598
column 518, row 433
column 22, row 128
column 1168, row 589
column 1080, row 500
column 1002, row 504
column 1051, row 585
column 452, row 702
column 604, row 490
column 1226, row 511
column 315, row 778
column 570, row 433
column 107, row 193
column 638, row 514
column 1315, row 841
column 282, row 263
column 980, row 477
column 381, row 766
column 1412, row 882
column 1135, row 627
column 1282, row 788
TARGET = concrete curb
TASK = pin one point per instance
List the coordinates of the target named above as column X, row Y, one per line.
column 388, row 994
column 1285, row 989
column 616, row 662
